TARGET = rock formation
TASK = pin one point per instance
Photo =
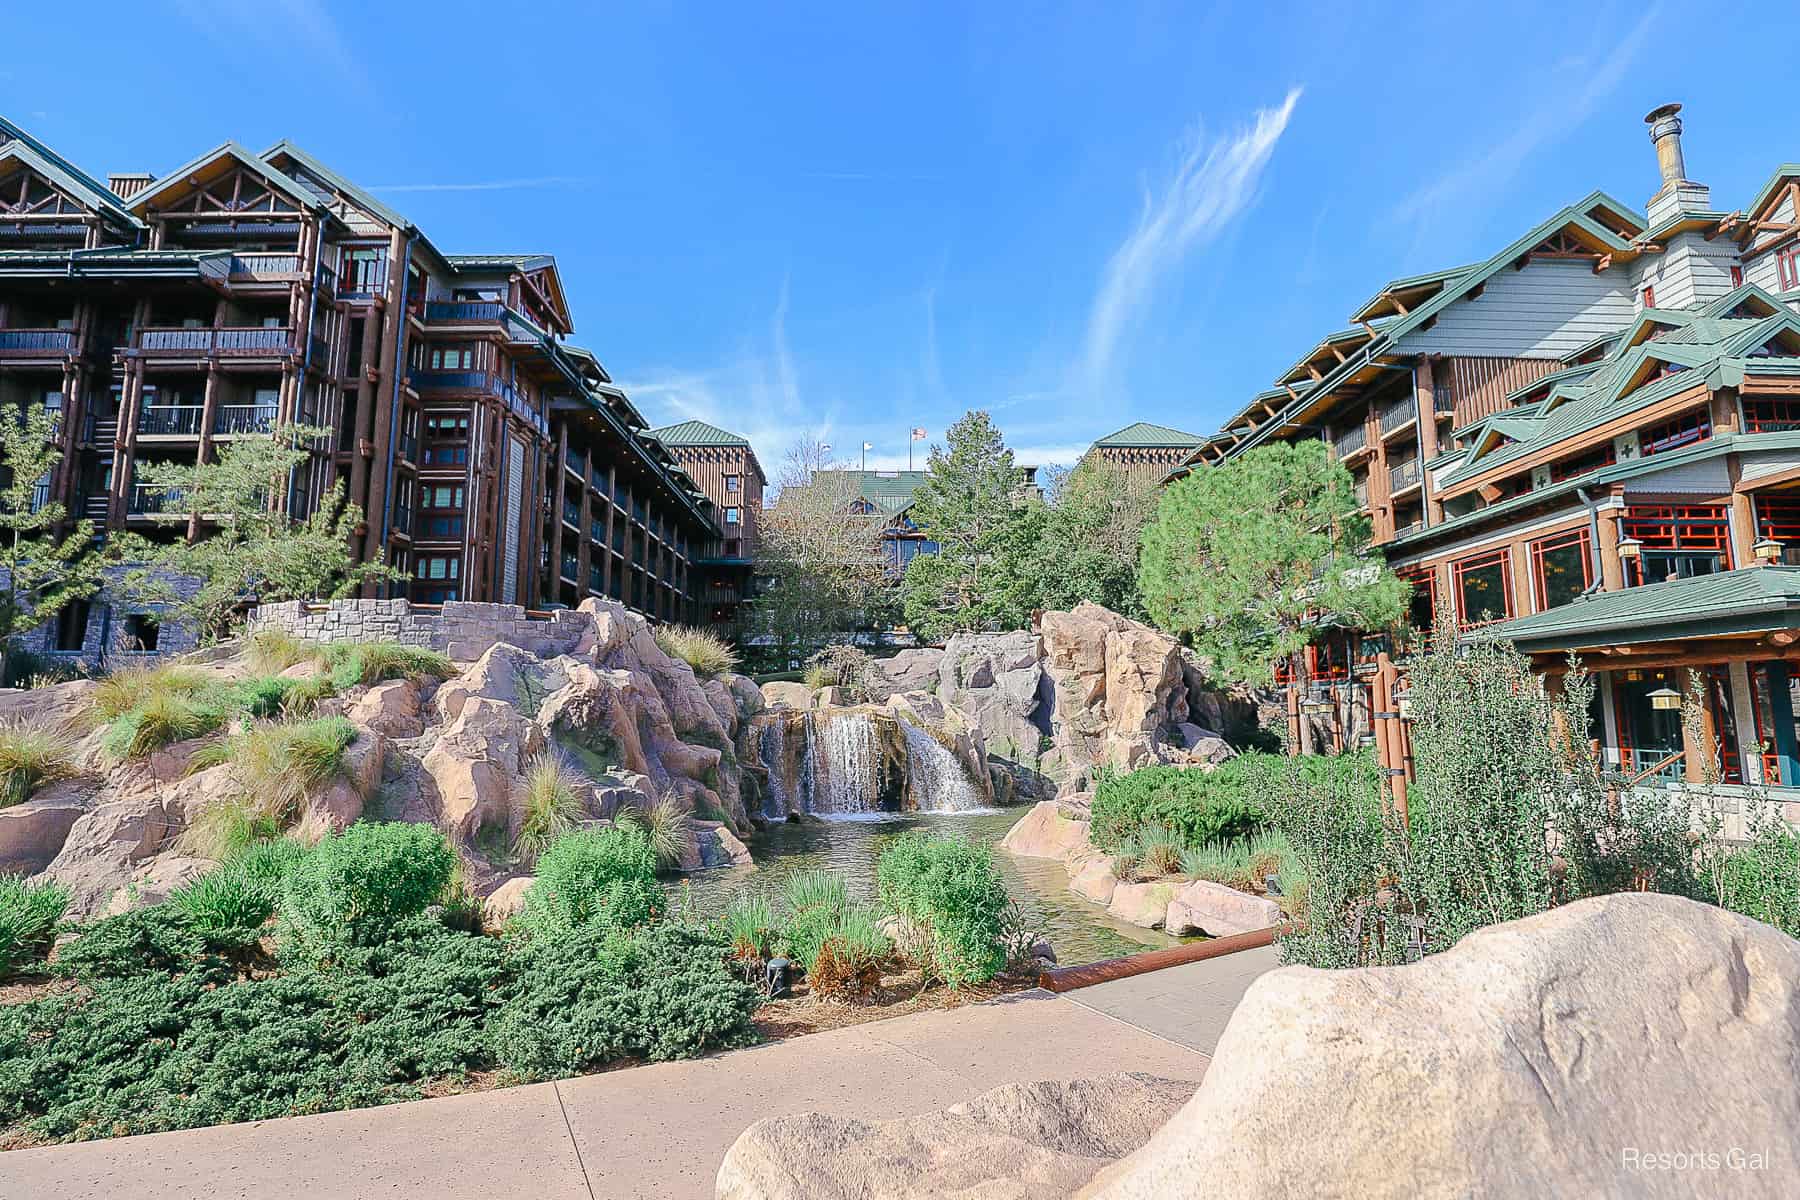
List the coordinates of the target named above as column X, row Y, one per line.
column 639, row 723
column 1023, row 1141
column 1555, row 1056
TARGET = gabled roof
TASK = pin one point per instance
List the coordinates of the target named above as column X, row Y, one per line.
column 1748, row 600
column 1397, row 297
column 1144, row 435
column 228, row 152
column 1784, row 174
column 889, row 492
column 358, row 195
column 17, row 145
column 697, row 433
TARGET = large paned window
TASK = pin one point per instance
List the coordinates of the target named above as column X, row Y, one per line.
column 1778, row 517
column 1483, row 587
column 1421, row 608
column 1672, row 435
column 459, row 357
column 1561, row 568
column 1679, row 541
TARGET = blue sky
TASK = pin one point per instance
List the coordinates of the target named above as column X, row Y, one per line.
column 860, row 218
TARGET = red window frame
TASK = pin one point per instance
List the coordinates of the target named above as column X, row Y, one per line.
column 1737, row 277
column 1581, row 464
column 1787, row 267
column 1674, row 433
column 1771, row 414
column 1577, row 538
column 1687, row 527
column 1649, row 297
column 1502, row 557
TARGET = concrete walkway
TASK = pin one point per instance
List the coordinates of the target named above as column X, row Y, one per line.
column 657, row 1131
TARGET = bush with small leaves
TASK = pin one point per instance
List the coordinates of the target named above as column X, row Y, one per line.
column 157, row 940
column 593, row 876
column 356, row 887
column 229, row 905
column 952, row 887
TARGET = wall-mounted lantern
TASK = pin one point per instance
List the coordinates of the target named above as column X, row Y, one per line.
column 1767, row 551
column 1665, row 699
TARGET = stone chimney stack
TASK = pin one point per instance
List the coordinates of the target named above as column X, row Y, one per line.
column 1678, row 194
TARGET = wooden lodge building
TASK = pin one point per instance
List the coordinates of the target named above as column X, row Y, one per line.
column 494, row 460
column 1142, row 448
column 725, row 468
column 1589, row 442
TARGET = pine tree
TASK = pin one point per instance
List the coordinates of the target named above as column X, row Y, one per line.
column 971, row 495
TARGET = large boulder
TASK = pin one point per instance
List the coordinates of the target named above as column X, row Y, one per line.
column 787, row 693
column 34, row 830
column 1635, row 1045
column 1045, row 832
column 1217, row 911
column 1142, row 904
column 505, row 902
column 1022, row 1141
column 106, row 845
column 151, row 883
column 477, row 762
column 997, row 679
column 914, row 670
column 62, row 704
column 392, row 709
column 1092, row 878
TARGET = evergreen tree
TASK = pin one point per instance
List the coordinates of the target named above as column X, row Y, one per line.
column 970, row 498
column 39, row 571
column 249, row 552
column 1246, row 557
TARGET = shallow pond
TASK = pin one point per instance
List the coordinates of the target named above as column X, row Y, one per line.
column 1080, row 932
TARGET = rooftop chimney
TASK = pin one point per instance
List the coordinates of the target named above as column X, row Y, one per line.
column 128, row 184
column 1678, row 194
column 1665, row 131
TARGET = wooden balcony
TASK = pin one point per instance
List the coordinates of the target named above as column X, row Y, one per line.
column 1350, row 442
column 236, row 420
column 1396, row 416
column 1403, row 475
column 265, row 268
column 36, row 343
column 248, row 341
column 170, row 420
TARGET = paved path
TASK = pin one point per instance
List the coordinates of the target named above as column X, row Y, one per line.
column 659, row 1131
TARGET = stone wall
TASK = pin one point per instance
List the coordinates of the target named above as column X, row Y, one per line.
column 462, row 629
column 111, row 636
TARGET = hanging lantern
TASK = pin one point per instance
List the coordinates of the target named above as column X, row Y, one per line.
column 1665, row 699
column 1403, row 705
column 1767, row 551
column 1630, row 547
column 1316, row 705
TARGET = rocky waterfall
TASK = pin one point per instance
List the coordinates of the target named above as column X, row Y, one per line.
column 855, row 760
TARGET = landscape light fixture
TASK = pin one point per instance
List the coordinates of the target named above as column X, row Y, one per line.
column 1403, row 705
column 1316, row 705
column 1665, row 699
column 1767, row 551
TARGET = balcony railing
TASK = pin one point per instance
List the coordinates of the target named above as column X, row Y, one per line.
column 1397, row 414
column 1350, row 441
column 36, row 341
column 480, row 312
column 409, row 447
column 363, row 278
column 328, row 280
column 1404, row 474
column 262, row 266
column 1443, row 400
column 147, row 499
column 247, row 340
column 571, row 514
column 170, row 420
column 40, row 495
column 571, row 568
column 232, row 419
column 597, row 531
column 403, row 519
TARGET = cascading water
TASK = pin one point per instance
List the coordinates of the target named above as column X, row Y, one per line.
column 843, row 758
column 935, row 777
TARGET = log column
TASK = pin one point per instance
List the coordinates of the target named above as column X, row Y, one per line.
column 1425, row 398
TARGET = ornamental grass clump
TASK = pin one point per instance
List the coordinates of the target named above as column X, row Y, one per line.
column 275, row 767
column 229, row 905
column 1160, row 850
column 552, row 803
column 952, row 888
column 666, row 826
column 847, row 964
column 593, row 876
column 750, row 926
column 272, row 651
column 33, row 752
column 121, row 691
column 351, row 663
column 29, row 914
column 709, row 654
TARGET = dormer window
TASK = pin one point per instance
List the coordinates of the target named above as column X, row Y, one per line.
column 1649, row 297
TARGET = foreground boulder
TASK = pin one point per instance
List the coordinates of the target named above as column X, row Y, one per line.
column 1219, row 911
column 1023, row 1141
column 1553, row 1056
column 1046, row 832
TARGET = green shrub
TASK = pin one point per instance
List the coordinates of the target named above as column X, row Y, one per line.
column 32, row 753
column 1241, row 863
column 593, row 876
column 1762, row 878
column 750, row 926
column 353, row 663
column 160, row 719
column 149, row 1051
column 1195, row 805
column 952, row 888
column 29, row 913
column 153, row 940
column 357, row 887
column 552, row 802
column 709, row 654
column 228, row 906
column 596, row 994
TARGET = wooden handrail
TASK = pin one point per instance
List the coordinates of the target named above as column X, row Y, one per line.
column 1655, row 767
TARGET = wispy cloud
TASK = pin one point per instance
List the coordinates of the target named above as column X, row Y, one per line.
column 1214, row 181
column 490, row 185
column 1560, row 101
column 304, row 30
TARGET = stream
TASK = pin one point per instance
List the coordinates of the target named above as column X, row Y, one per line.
column 850, row 845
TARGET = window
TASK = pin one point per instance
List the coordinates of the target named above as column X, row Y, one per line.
column 1649, row 297
column 141, row 631
column 1682, row 431
column 1679, row 542
column 452, row 358
column 447, row 425
column 1737, row 277
column 1421, row 608
column 1778, row 518
column 440, row 566
column 732, row 547
column 446, row 456
column 732, row 514
column 365, row 269
column 731, row 483
column 1581, row 464
column 444, row 495
column 71, row 626
column 1561, row 568
column 1787, row 267
column 1483, row 587
column 443, row 527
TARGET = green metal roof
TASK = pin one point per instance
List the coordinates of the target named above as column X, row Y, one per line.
column 1142, row 434
column 356, row 193
column 305, row 198
column 889, row 491
column 498, row 262
column 63, row 173
column 1783, row 173
column 1748, row 600
column 697, row 433
column 1408, row 284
